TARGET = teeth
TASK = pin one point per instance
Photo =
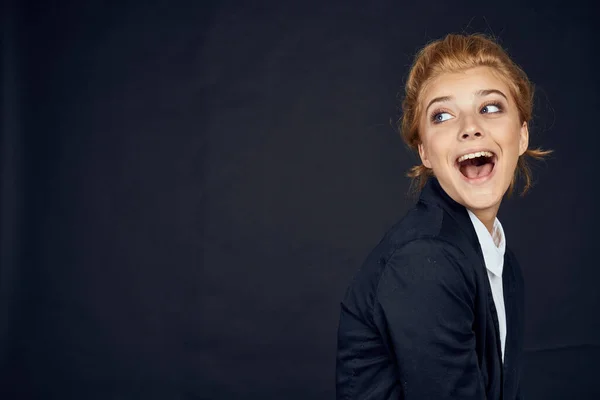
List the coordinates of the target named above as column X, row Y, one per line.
column 474, row 155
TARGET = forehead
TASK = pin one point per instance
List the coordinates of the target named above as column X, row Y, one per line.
column 464, row 83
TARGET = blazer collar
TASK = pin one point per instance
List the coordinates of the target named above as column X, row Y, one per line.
column 433, row 193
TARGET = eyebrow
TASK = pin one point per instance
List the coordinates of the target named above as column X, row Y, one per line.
column 479, row 93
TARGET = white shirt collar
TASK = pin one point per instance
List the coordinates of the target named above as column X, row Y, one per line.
column 493, row 250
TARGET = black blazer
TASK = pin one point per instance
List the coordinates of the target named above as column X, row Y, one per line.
column 418, row 321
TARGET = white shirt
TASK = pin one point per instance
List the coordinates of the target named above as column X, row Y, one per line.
column 493, row 247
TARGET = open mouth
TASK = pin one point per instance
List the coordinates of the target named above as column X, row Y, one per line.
column 477, row 165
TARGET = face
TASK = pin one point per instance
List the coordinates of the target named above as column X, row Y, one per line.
column 471, row 136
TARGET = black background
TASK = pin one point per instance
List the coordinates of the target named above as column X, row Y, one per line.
column 188, row 187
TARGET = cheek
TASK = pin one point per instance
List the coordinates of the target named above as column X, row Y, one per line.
column 437, row 155
column 509, row 139
column 439, row 147
column 438, row 141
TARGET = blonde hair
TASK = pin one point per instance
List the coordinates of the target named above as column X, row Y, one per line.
column 455, row 53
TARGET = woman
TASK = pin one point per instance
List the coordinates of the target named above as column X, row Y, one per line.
column 436, row 311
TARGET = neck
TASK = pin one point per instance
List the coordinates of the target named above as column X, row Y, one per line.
column 487, row 217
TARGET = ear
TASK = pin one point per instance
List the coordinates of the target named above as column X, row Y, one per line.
column 423, row 155
column 523, row 138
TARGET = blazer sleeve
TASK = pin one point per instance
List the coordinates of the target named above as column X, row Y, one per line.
column 426, row 296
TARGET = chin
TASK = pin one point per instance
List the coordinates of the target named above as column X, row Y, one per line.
column 482, row 194
column 481, row 201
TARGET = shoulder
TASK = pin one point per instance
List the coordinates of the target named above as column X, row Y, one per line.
column 424, row 220
column 427, row 246
column 426, row 241
column 430, row 265
column 427, row 261
column 414, row 230
column 424, row 229
column 426, row 276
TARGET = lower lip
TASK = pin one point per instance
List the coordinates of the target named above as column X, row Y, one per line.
column 480, row 180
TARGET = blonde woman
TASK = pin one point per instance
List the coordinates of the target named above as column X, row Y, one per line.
column 436, row 311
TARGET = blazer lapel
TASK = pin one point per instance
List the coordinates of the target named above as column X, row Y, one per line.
column 514, row 323
column 508, row 287
column 433, row 192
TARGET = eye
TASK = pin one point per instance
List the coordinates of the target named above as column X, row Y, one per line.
column 439, row 117
column 491, row 108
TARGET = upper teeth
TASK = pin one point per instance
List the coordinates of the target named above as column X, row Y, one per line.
column 474, row 155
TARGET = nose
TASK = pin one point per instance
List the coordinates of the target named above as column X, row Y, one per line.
column 468, row 135
column 470, row 130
